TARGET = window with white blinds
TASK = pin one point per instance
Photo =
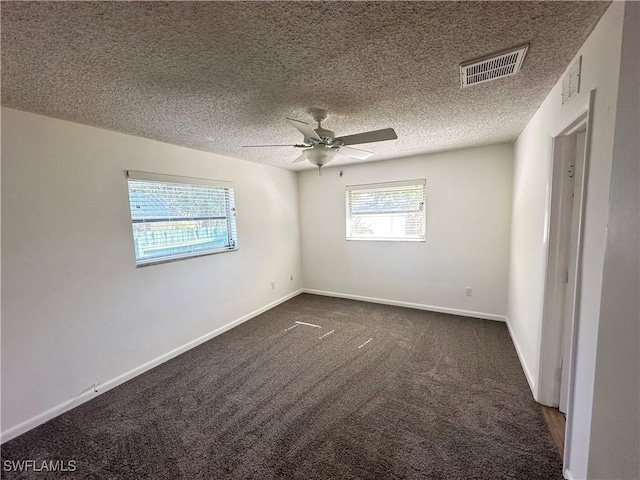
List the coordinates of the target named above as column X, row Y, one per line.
column 386, row 211
column 180, row 217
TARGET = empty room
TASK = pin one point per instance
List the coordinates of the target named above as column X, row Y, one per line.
column 320, row 240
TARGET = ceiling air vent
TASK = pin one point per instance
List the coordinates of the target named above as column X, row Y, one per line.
column 498, row 65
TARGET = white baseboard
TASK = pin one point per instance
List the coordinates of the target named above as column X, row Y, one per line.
column 527, row 373
column 89, row 394
column 418, row 306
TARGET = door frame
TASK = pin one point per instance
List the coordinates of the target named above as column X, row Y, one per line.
column 579, row 116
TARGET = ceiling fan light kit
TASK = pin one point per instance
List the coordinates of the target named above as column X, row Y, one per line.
column 321, row 145
column 320, row 156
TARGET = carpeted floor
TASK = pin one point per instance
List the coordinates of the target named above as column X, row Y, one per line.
column 429, row 396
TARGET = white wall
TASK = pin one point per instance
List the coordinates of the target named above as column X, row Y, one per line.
column 533, row 155
column 615, row 428
column 75, row 308
column 467, row 233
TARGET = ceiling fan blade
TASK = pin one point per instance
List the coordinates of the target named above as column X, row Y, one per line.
column 354, row 152
column 301, row 158
column 257, row 146
column 369, row 137
column 304, row 128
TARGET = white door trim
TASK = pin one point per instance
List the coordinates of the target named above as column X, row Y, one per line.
column 578, row 274
column 548, row 391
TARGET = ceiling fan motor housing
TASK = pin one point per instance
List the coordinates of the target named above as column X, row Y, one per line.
column 324, row 133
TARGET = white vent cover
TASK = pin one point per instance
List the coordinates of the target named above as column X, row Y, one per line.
column 571, row 81
column 498, row 65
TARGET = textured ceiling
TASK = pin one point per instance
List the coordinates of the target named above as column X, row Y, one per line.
column 218, row 75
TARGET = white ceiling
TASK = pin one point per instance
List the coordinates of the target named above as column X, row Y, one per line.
column 218, row 75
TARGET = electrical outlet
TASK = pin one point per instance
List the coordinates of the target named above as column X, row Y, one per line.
column 273, row 285
column 469, row 291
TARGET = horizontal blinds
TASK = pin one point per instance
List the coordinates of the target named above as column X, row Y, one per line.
column 158, row 177
column 375, row 186
column 386, row 211
column 176, row 220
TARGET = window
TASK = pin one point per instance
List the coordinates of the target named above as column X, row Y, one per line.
column 180, row 217
column 386, row 211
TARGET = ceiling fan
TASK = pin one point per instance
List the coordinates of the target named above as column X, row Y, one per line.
column 321, row 146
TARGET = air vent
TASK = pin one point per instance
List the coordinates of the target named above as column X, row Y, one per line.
column 571, row 81
column 498, row 65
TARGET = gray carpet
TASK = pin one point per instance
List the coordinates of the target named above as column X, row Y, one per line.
column 429, row 396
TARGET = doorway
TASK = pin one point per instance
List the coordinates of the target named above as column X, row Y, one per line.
column 565, row 213
column 573, row 161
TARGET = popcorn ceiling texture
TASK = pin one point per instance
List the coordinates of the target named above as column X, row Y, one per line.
column 218, row 75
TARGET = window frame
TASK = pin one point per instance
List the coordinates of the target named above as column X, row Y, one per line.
column 381, row 187
column 230, row 214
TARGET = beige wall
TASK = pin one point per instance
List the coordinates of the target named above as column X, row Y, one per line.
column 615, row 427
column 468, row 201
column 529, row 235
column 75, row 309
